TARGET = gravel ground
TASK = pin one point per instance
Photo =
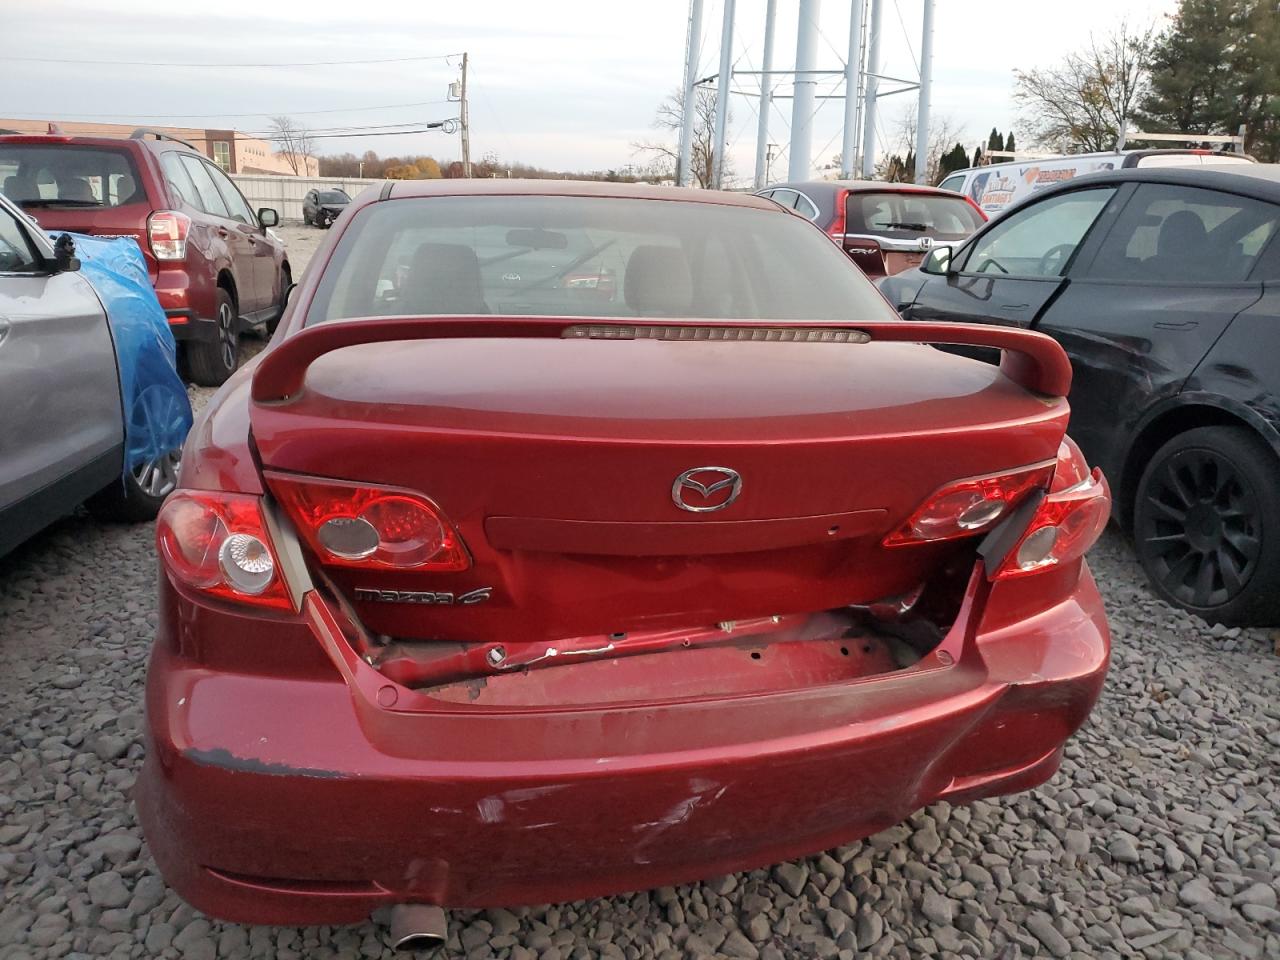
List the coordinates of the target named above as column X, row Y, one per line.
column 1160, row 837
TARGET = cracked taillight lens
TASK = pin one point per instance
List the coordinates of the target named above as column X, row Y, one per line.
column 217, row 543
column 372, row 527
column 1064, row 527
column 973, row 505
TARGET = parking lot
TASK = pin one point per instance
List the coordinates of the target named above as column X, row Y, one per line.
column 1160, row 837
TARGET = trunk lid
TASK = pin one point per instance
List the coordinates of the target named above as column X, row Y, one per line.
column 559, row 464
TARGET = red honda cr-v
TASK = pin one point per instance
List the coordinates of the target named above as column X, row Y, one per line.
column 487, row 586
column 217, row 268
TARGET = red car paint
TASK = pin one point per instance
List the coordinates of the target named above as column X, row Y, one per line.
column 645, row 695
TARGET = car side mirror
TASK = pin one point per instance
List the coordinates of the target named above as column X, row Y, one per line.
column 64, row 254
column 937, row 262
column 268, row 217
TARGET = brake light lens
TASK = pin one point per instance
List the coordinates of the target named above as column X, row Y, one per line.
column 167, row 233
column 218, row 543
column 371, row 527
column 970, row 506
column 1064, row 527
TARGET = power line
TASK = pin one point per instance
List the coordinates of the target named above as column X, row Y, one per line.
column 223, row 116
column 224, row 65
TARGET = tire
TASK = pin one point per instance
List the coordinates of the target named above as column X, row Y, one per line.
column 286, row 280
column 1207, row 525
column 138, row 498
column 324, row 221
column 210, row 362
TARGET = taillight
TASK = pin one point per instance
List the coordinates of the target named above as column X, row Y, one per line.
column 218, row 543
column 837, row 228
column 973, row 505
column 372, row 527
column 1063, row 528
column 167, row 233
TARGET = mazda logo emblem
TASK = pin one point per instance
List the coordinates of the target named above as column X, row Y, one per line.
column 706, row 489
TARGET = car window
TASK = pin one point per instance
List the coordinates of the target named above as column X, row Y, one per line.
column 955, row 183
column 806, row 207
column 207, row 197
column 334, row 196
column 178, row 180
column 16, row 252
column 236, row 204
column 588, row 257
column 68, row 175
column 908, row 215
column 1039, row 240
column 1168, row 232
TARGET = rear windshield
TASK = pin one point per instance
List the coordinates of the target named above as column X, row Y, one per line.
column 588, row 257
column 907, row 216
column 65, row 175
column 333, row 196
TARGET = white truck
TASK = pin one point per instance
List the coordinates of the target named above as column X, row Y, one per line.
column 998, row 186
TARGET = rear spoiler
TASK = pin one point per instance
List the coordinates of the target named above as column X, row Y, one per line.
column 1029, row 359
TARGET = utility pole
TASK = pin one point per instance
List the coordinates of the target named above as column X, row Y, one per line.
column 722, row 97
column 464, row 123
column 685, row 162
column 873, row 85
column 766, row 96
column 805, row 84
column 926, row 94
column 852, row 103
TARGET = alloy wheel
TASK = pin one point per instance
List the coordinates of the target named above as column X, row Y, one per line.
column 1202, row 529
column 227, row 335
column 158, row 477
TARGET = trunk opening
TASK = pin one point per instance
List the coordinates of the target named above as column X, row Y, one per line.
column 726, row 659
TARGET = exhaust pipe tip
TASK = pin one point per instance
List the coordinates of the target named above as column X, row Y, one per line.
column 416, row 927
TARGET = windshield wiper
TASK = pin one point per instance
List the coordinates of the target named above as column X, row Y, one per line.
column 896, row 225
column 59, row 203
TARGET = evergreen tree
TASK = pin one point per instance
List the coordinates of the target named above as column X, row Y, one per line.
column 995, row 141
column 1008, row 142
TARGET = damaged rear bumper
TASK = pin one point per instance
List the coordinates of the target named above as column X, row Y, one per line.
column 317, row 800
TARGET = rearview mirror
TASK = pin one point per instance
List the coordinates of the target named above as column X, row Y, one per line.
column 64, row 255
column 268, row 217
column 937, row 262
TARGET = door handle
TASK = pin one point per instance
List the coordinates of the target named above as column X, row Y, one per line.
column 1013, row 306
column 1170, row 325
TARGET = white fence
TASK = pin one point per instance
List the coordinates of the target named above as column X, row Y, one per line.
column 285, row 194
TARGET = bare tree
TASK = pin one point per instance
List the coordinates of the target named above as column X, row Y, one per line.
column 944, row 133
column 295, row 142
column 670, row 117
column 1085, row 101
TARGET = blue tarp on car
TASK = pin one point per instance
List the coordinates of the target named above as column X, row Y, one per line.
column 157, row 413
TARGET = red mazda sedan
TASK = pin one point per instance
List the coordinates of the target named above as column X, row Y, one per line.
column 486, row 584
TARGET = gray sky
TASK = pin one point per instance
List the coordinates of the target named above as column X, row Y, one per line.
column 569, row 84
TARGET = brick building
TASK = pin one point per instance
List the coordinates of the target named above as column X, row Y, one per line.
column 234, row 152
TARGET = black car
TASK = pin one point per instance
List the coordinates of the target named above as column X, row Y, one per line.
column 1163, row 286
column 322, row 207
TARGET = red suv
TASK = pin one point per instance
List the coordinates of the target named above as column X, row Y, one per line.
column 487, row 585
column 218, row 271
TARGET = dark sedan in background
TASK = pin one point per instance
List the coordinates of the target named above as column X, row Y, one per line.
column 1163, row 286
column 322, row 207
column 885, row 228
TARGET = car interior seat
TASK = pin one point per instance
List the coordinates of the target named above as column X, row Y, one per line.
column 1181, row 246
column 443, row 278
column 19, row 188
column 75, row 188
column 126, row 189
column 657, row 282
